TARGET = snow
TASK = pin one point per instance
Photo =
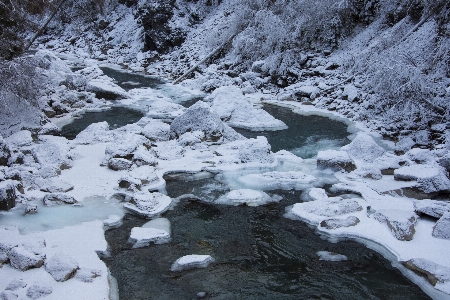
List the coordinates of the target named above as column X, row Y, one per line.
column 143, row 236
column 248, row 197
column 331, row 256
column 191, row 262
column 148, row 204
column 277, row 180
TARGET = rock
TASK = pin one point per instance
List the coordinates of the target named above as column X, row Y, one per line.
column 420, row 156
column 432, row 208
column 23, row 259
column 338, row 223
column 16, row 284
column 156, row 131
column 52, row 153
column 87, row 275
column 148, row 204
column 442, row 227
column 19, row 139
column 119, row 164
column 191, row 262
column 277, row 180
column 144, row 157
column 95, row 133
column 199, row 117
column 113, row 221
column 7, row 195
column 61, row 267
column 5, row 152
column 138, row 177
column 191, row 138
column 124, row 146
column 103, row 87
column 38, row 291
column 56, row 199
column 248, row 197
column 350, row 93
column 363, row 147
column 331, row 256
column 142, row 237
column 31, row 208
column 335, row 160
column 328, row 207
column 401, row 223
column 56, row 185
column 163, row 109
column 430, row 178
column 8, row 295
column 306, row 91
column 201, row 295
column 169, row 150
column 437, row 275
column 403, row 145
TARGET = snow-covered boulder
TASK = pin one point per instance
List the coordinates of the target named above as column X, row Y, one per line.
column 364, row 148
column 248, row 197
column 31, row 208
column 192, row 261
column 156, row 131
column 5, row 152
column 56, row 69
column 164, row 109
column 16, row 284
column 155, row 231
column 331, row 256
column 119, row 164
column 20, row 139
column 235, row 109
column 306, row 91
column 56, row 185
column 335, row 160
column 404, row 144
column 148, row 204
column 113, row 221
column 95, row 133
column 277, row 180
column 7, row 195
column 61, row 267
column 144, row 157
column 420, row 156
column 104, row 87
column 191, row 138
column 315, row 194
column 87, row 275
column 437, row 275
column 52, row 153
column 58, row 198
column 169, row 150
column 138, row 177
column 350, row 93
column 38, row 291
column 338, row 223
column 329, row 207
column 432, row 208
column 200, row 117
column 430, row 178
column 400, row 223
column 25, row 259
column 124, row 146
column 442, row 227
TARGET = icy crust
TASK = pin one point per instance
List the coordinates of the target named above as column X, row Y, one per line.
column 278, row 180
column 192, row 261
column 237, row 111
column 148, row 204
column 248, row 197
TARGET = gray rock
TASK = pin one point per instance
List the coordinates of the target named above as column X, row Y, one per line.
column 7, row 195
column 119, row 164
column 335, row 160
column 31, row 208
column 432, row 208
column 400, row 223
column 5, row 152
column 61, row 267
column 337, row 223
column 56, row 199
column 24, row 259
column 8, row 295
column 430, row 179
column 16, row 284
column 442, row 227
column 433, row 272
column 38, row 291
column 87, row 275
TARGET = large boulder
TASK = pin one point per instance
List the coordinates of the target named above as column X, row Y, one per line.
column 156, row 131
column 335, row 160
column 104, row 87
column 199, row 117
column 52, row 153
column 24, row 259
column 432, row 208
column 163, row 109
column 437, row 275
column 400, row 223
column 138, row 177
column 327, row 207
column 430, row 179
column 5, row 152
column 363, row 147
column 57, row 199
column 442, row 227
column 95, row 133
column 7, row 195
column 19, row 139
column 61, row 267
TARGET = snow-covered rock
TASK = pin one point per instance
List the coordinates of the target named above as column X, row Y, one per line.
column 338, row 223
column 200, row 117
column 437, row 275
column 432, row 208
column 61, row 267
column 16, row 284
column 350, row 93
column 430, row 178
column 169, row 150
column 31, row 208
column 246, row 151
column 248, row 197
column 331, row 256
column 328, row 207
column 191, row 262
column 420, row 156
column 52, row 153
column 7, row 195
column 191, row 138
column 442, row 227
column 56, row 185
column 8, row 295
column 277, row 180
column 119, row 164
column 306, row 91
column 156, row 131
column 335, row 160
column 148, row 204
column 144, row 157
column 400, row 223
column 38, row 291
column 235, row 109
column 103, row 87
column 364, row 148
column 87, row 275
column 124, row 146
column 113, row 221
column 25, row 259
column 138, row 177
column 58, row 198
column 20, row 139
column 95, row 133
column 5, row 152
column 164, row 109
column 143, row 236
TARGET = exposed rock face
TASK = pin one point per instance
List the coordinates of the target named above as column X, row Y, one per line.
column 337, row 223
column 442, row 227
column 432, row 208
column 160, row 36
column 7, row 195
column 401, row 223
column 335, row 160
column 61, row 267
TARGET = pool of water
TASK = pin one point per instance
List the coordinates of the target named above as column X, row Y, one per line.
column 259, row 254
column 305, row 136
column 116, row 117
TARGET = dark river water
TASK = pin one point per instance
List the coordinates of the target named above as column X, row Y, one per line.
column 259, row 254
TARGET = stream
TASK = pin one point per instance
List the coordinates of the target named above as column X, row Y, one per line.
column 259, row 254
